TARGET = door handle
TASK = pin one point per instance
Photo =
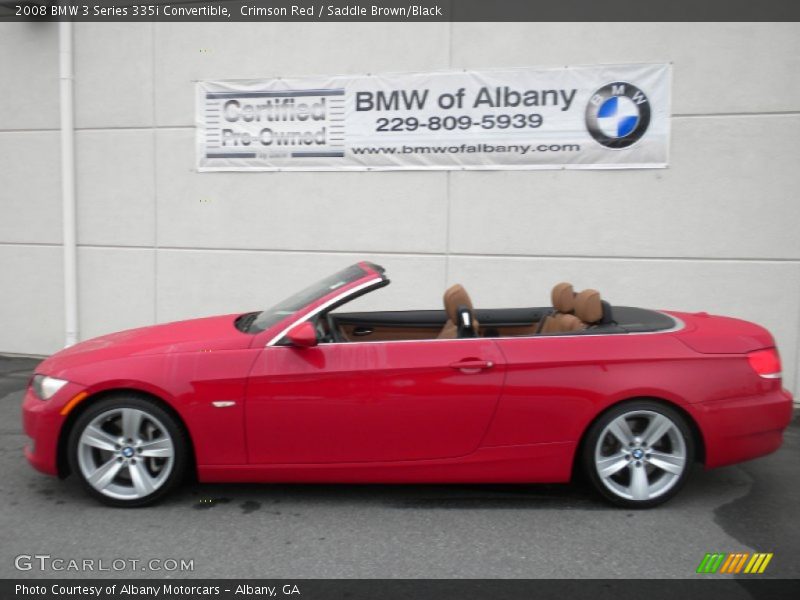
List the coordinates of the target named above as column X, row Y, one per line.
column 359, row 331
column 472, row 365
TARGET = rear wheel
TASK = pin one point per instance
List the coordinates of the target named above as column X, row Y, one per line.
column 638, row 454
column 127, row 450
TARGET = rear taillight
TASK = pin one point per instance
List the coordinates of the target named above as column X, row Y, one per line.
column 766, row 363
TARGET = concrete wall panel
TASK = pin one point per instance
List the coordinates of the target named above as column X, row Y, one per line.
column 29, row 72
column 113, row 74
column 30, row 187
column 32, row 300
column 116, row 289
column 116, row 187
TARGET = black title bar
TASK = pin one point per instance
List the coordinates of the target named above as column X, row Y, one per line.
column 400, row 10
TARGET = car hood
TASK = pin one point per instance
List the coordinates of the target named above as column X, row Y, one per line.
column 206, row 334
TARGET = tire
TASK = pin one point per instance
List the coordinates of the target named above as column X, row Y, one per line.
column 638, row 454
column 127, row 450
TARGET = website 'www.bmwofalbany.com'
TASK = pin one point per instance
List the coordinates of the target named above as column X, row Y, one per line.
column 55, row 564
column 467, row 149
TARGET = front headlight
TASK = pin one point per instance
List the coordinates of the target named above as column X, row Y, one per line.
column 45, row 387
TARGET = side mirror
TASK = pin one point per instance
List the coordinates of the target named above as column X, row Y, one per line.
column 303, row 335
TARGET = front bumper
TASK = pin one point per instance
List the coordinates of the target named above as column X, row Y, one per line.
column 743, row 428
column 42, row 422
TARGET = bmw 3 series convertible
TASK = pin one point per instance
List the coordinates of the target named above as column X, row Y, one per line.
column 629, row 398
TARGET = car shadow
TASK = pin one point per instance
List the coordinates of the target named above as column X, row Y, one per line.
column 288, row 498
column 704, row 487
column 712, row 488
column 273, row 497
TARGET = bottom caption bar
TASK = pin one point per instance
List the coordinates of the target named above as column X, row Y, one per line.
column 402, row 589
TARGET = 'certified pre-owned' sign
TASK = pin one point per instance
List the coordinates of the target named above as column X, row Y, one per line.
column 611, row 116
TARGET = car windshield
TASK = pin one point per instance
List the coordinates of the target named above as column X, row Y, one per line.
column 292, row 304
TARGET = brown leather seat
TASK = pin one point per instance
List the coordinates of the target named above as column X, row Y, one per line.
column 589, row 307
column 563, row 297
column 562, row 320
column 461, row 321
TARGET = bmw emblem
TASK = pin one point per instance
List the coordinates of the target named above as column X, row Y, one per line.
column 618, row 115
column 127, row 452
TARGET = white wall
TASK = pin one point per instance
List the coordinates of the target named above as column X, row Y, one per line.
column 716, row 231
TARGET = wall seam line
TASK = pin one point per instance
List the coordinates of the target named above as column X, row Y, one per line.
column 448, row 186
column 417, row 254
column 778, row 113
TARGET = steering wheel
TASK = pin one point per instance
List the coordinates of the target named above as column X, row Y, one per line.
column 333, row 330
column 323, row 335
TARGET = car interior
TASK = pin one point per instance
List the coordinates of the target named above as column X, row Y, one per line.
column 570, row 313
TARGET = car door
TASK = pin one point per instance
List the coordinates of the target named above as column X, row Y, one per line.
column 372, row 401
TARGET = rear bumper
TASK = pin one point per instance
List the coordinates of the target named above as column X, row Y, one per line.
column 743, row 428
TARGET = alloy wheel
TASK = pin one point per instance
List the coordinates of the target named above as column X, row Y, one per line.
column 640, row 455
column 125, row 453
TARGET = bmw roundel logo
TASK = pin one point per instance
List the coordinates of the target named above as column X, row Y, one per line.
column 618, row 115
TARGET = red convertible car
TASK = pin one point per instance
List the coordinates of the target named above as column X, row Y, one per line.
column 303, row 392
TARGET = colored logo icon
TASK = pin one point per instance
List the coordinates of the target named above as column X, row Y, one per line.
column 735, row 563
column 618, row 115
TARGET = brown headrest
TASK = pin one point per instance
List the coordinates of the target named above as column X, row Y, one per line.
column 563, row 297
column 454, row 297
column 588, row 307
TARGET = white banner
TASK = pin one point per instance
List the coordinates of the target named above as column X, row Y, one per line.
column 600, row 117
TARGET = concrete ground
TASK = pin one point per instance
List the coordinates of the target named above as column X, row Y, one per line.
column 432, row 531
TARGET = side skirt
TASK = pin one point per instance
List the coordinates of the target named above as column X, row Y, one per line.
column 535, row 463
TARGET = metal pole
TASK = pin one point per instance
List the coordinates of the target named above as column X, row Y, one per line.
column 68, row 183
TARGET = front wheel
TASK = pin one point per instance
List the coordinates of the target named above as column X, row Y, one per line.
column 127, row 450
column 638, row 454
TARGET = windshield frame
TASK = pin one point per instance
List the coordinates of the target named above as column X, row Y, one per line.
column 308, row 303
